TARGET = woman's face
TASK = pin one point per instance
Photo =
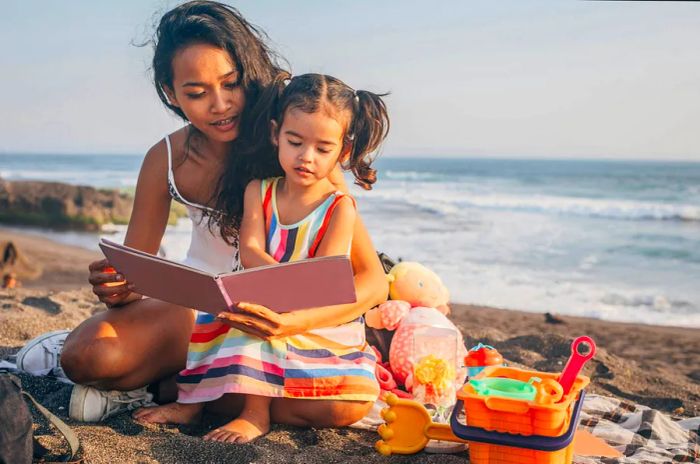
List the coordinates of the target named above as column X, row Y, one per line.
column 206, row 88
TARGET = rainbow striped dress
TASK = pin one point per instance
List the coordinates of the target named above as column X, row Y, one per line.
column 333, row 363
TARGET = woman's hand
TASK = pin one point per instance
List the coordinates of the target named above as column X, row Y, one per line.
column 110, row 286
column 262, row 322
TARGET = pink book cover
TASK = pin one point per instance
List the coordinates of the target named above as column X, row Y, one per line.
column 283, row 287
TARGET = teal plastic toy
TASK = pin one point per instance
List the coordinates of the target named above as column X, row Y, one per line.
column 506, row 388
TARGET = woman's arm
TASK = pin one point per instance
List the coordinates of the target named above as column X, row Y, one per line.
column 147, row 224
column 338, row 179
column 252, row 238
column 149, row 216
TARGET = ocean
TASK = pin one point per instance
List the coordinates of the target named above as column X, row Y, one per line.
column 614, row 240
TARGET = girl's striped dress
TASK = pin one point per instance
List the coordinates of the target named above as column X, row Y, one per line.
column 330, row 363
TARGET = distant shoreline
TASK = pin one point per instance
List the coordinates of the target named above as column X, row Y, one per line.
column 422, row 156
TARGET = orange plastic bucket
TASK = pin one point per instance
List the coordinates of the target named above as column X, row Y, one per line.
column 515, row 416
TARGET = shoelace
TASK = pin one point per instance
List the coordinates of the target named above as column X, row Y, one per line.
column 132, row 399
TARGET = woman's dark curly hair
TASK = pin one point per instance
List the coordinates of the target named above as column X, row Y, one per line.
column 252, row 154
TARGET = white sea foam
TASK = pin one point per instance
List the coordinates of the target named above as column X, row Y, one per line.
column 446, row 199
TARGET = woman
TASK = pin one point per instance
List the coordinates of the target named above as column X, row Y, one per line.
column 210, row 66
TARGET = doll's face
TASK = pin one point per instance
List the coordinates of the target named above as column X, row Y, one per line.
column 420, row 287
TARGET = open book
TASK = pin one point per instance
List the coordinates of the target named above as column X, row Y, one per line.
column 283, row 287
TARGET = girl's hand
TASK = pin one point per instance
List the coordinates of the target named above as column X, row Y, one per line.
column 109, row 286
column 260, row 321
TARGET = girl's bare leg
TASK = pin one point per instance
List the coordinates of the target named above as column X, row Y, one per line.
column 299, row 412
column 252, row 422
column 129, row 347
column 317, row 413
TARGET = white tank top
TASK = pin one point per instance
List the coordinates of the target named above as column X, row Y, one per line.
column 208, row 251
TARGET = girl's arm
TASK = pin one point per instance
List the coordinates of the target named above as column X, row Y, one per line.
column 252, row 233
column 371, row 289
column 147, row 224
column 338, row 236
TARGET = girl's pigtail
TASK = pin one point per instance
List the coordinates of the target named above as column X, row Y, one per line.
column 370, row 126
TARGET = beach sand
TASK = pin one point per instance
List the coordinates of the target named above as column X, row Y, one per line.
column 654, row 366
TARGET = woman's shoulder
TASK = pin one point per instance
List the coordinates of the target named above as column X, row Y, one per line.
column 165, row 153
column 172, row 144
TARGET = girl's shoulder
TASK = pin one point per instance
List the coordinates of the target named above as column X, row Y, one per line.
column 267, row 184
column 344, row 202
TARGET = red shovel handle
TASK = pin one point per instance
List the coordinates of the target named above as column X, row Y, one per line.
column 575, row 363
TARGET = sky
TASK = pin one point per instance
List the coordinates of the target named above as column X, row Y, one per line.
column 515, row 79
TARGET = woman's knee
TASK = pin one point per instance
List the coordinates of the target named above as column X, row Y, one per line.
column 93, row 353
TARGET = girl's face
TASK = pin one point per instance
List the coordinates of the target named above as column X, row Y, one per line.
column 309, row 145
column 206, row 88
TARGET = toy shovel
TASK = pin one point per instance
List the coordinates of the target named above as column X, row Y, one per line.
column 575, row 363
column 409, row 427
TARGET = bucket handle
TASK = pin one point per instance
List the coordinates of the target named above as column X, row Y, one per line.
column 496, row 403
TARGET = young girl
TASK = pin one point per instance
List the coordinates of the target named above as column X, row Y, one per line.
column 318, row 121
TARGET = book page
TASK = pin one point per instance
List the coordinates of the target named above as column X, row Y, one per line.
column 286, row 287
column 164, row 279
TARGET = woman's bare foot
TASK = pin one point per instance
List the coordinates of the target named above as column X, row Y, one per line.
column 253, row 422
column 171, row 413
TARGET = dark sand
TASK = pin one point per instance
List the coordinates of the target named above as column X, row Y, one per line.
column 655, row 366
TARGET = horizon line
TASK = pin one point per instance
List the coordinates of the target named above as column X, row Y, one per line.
column 499, row 156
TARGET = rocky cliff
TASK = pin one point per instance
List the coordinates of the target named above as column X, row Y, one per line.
column 62, row 206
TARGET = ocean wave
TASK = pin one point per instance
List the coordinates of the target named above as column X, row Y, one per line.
column 448, row 201
column 414, row 175
column 591, row 207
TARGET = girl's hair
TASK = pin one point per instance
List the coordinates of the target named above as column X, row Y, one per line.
column 252, row 155
column 363, row 114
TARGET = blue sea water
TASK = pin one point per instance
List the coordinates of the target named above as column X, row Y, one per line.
column 608, row 239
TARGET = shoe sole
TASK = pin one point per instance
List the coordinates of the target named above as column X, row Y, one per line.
column 19, row 360
column 77, row 403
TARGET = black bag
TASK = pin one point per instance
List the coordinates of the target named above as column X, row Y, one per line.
column 16, row 431
column 387, row 262
column 17, row 445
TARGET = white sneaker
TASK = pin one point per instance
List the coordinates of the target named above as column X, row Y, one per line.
column 42, row 355
column 88, row 404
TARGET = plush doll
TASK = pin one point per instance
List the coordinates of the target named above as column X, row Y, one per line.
column 418, row 299
column 417, row 285
column 410, row 284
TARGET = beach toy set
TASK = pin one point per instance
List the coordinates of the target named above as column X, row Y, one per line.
column 513, row 416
